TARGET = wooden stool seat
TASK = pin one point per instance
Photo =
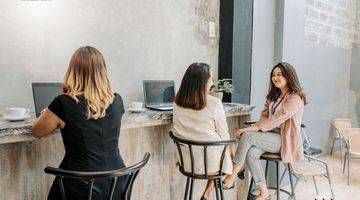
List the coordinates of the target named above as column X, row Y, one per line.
column 270, row 156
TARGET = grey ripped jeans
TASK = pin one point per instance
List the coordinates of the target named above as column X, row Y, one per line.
column 250, row 147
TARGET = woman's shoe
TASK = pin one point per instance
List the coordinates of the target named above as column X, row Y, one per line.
column 203, row 198
column 241, row 174
column 226, row 187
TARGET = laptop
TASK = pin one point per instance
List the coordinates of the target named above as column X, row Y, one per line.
column 159, row 94
column 44, row 94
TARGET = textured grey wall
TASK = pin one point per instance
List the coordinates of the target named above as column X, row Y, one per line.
column 139, row 39
column 354, row 92
column 323, row 70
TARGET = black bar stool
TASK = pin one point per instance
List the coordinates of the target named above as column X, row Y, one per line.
column 191, row 176
column 132, row 171
column 277, row 159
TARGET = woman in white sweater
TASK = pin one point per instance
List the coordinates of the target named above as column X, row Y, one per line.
column 201, row 117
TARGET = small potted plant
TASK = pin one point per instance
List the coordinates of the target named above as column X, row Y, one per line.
column 221, row 86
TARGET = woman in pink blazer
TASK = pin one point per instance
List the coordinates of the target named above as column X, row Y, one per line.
column 277, row 131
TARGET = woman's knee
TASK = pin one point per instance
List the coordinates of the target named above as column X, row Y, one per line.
column 247, row 137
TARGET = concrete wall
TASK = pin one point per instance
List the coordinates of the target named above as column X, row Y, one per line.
column 324, row 70
column 331, row 22
column 354, row 91
column 357, row 25
column 139, row 39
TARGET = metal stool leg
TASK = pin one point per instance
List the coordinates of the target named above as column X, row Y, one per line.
column 341, row 141
column 221, row 189
column 296, row 182
column 291, row 184
column 331, row 188
column 277, row 181
column 217, row 189
column 191, row 188
column 315, row 185
column 249, row 192
column 348, row 165
column 332, row 147
column 187, row 188
column 282, row 176
column 344, row 164
column 266, row 171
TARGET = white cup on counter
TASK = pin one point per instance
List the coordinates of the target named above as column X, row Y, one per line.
column 17, row 112
column 136, row 106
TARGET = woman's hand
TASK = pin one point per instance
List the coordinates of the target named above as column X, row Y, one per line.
column 240, row 131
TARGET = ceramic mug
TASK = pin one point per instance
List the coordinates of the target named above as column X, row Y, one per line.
column 136, row 105
column 17, row 112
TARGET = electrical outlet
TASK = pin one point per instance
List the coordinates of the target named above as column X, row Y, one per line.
column 212, row 29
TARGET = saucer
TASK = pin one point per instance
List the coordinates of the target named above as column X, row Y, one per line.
column 137, row 111
column 16, row 118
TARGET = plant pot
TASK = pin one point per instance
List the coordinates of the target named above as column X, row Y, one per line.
column 217, row 95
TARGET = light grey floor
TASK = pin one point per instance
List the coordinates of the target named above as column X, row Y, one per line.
column 305, row 189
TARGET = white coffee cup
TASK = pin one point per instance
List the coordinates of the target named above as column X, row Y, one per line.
column 17, row 112
column 136, row 105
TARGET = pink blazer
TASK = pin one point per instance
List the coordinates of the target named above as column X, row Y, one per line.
column 288, row 118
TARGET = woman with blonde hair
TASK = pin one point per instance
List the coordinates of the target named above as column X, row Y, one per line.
column 88, row 114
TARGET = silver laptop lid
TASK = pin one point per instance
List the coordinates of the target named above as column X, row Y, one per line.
column 44, row 94
column 158, row 92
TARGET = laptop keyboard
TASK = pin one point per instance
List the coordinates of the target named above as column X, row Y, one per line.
column 166, row 108
column 162, row 107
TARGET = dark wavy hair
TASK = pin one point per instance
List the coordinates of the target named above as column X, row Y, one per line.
column 289, row 73
column 192, row 92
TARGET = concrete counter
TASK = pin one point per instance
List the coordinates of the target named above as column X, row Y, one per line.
column 21, row 131
column 23, row 157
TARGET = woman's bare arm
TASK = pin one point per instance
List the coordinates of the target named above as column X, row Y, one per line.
column 46, row 123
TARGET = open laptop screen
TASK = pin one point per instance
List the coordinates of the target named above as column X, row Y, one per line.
column 158, row 92
column 43, row 94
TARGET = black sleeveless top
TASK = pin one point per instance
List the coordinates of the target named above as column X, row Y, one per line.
column 90, row 145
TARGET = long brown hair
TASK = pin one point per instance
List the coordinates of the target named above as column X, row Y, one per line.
column 192, row 92
column 289, row 73
column 87, row 76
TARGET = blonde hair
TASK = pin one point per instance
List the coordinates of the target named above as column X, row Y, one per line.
column 87, row 76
